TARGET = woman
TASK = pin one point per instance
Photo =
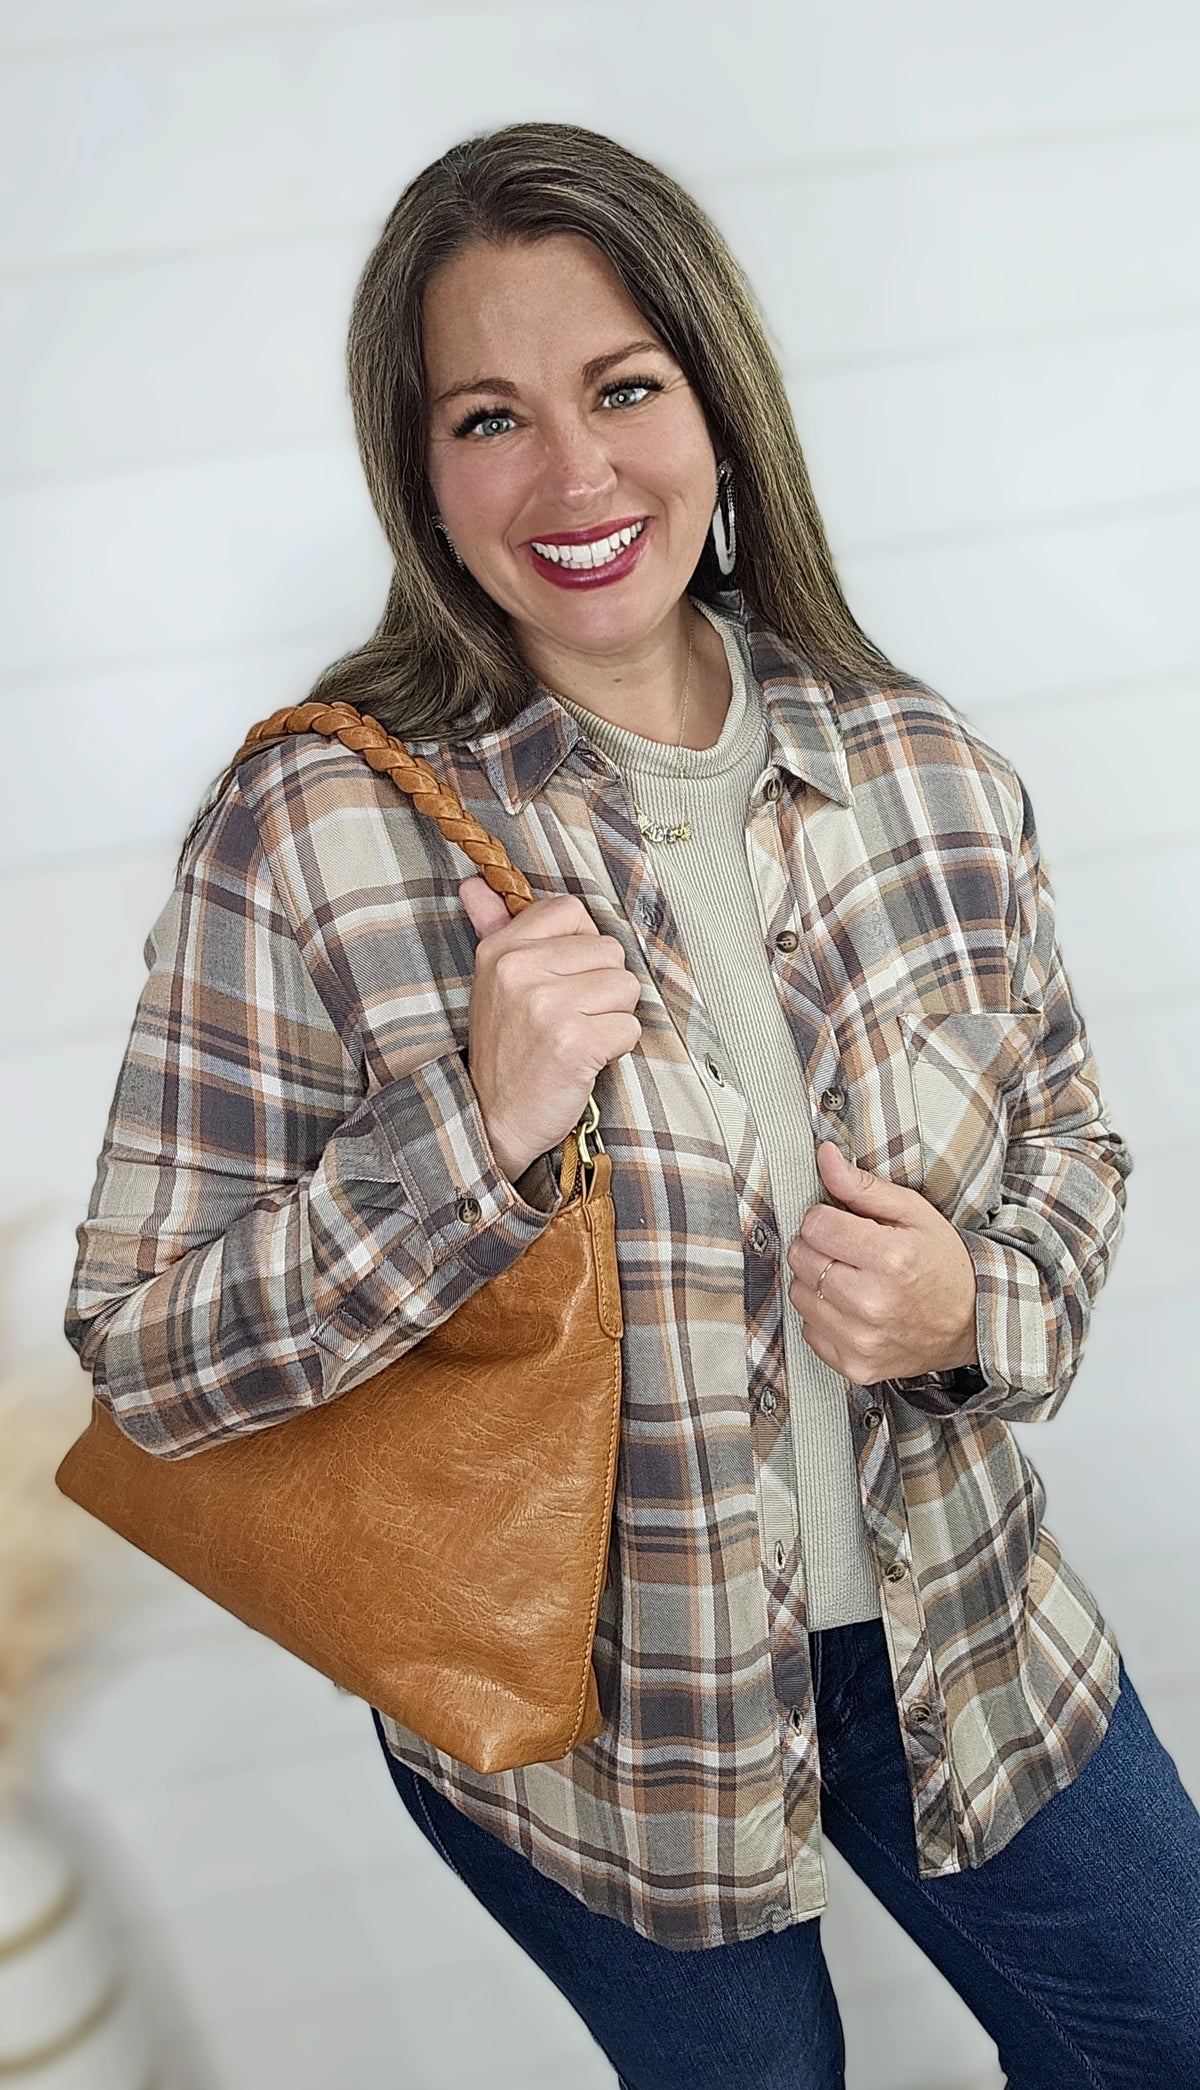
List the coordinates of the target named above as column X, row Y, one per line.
column 866, row 1189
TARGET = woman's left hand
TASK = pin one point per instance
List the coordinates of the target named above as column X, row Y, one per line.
column 899, row 1293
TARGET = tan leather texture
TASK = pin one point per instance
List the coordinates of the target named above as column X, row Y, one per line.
column 436, row 1539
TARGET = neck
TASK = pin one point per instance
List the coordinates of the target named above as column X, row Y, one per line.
column 643, row 691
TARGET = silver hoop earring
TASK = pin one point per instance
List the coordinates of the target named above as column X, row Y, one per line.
column 440, row 525
column 724, row 529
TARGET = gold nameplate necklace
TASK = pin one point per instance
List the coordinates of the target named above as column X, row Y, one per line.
column 681, row 830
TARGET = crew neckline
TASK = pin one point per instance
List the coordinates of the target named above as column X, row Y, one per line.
column 740, row 728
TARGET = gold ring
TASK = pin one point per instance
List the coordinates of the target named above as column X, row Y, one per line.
column 822, row 1277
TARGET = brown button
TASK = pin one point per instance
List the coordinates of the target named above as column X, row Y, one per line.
column 872, row 1418
column 896, row 1571
column 834, row 1098
column 772, row 787
column 786, row 940
column 920, row 1715
column 468, row 1210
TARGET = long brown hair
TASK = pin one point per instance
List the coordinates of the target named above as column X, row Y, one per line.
column 442, row 663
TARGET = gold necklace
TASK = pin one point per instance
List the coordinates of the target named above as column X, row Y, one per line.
column 680, row 830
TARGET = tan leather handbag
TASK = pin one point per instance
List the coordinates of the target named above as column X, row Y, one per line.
column 434, row 1540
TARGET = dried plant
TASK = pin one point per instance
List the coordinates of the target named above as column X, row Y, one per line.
column 60, row 1578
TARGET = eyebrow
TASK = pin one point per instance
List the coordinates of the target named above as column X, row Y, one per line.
column 591, row 371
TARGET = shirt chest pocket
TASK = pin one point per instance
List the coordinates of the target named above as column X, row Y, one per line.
column 966, row 1067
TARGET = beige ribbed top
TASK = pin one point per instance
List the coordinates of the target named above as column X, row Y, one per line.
column 708, row 883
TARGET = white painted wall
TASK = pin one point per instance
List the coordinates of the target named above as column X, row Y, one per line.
column 974, row 233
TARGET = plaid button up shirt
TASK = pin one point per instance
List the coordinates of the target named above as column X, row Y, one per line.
column 296, row 1184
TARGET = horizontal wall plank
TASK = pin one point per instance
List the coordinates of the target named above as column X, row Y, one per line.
column 143, row 363
column 116, row 763
column 1126, row 927
column 241, row 348
column 898, row 452
column 68, row 22
column 1147, row 1056
column 94, row 918
column 1156, row 1259
column 274, row 549
column 1114, row 1496
column 1140, row 1369
column 253, row 551
column 1036, row 612
column 122, row 137
column 58, row 1100
column 1149, row 1603
column 876, row 261
column 1100, row 782
column 952, row 444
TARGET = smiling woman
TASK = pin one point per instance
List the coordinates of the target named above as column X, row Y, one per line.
column 603, row 321
column 571, row 450
column 865, row 1185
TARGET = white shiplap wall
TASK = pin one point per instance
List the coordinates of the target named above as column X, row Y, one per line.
column 974, row 234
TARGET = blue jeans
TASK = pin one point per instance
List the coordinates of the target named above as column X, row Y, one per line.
column 1077, row 1947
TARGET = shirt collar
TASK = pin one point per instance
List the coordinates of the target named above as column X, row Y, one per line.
column 801, row 723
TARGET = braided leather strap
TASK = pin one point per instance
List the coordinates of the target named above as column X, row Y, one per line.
column 431, row 795
column 410, row 773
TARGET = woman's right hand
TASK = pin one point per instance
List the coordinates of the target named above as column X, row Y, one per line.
column 551, row 1004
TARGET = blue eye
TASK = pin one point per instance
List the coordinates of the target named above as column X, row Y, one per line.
column 501, row 413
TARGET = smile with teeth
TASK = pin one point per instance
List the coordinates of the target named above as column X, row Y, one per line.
column 598, row 553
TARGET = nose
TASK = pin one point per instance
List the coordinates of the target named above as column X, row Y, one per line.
column 575, row 460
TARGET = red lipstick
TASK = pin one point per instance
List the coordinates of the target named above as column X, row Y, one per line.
column 605, row 529
column 590, row 576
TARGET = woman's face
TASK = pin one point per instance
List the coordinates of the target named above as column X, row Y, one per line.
column 548, row 448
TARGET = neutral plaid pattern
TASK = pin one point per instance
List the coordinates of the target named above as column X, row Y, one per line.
column 296, row 1185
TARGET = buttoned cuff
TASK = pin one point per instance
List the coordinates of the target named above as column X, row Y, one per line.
column 538, row 1184
column 1010, row 1316
column 1010, row 1339
column 434, row 1127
